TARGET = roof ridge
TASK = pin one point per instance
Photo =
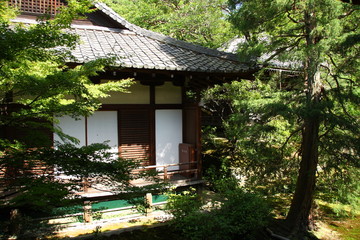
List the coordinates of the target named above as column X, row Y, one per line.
column 78, row 26
column 101, row 28
column 160, row 37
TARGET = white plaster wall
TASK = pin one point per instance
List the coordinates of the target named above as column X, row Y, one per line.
column 71, row 127
column 74, row 128
column 139, row 94
column 103, row 126
column 168, row 135
column 168, row 94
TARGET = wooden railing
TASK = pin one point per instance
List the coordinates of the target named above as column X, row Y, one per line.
column 186, row 171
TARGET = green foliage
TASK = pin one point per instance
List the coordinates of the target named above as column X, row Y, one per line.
column 341, row 187
column 279, row 26
column 217, row 156
column 6, row 13
column 261, row 134
column 38, row 195
column 42, row 193
column 37, row 85
column 178, row 203
column 201, row 21
column 236, row 215
column 29, row 230
column 257, row 130
column 315, row 117
column 34, row 71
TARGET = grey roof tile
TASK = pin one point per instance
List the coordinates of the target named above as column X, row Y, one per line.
column 140, row 48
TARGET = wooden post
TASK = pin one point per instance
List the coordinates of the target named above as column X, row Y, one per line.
column 15, row 223
column 87, row 212
column 165, row 173
column 148, row 202
column 85, row 185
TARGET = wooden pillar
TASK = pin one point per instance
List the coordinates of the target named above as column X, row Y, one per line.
column 165, row 173
column 148, row 202
column 15, row 223
column 85, row 185
column 87, row 212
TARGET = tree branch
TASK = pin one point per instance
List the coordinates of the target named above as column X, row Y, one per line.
column 291, row 18
column 325, row 133
column 291, row 35
column 338, row 90
column 290, row 136
column 333, row 63
column 280, row 50
column 34, row 100
column 346, row 14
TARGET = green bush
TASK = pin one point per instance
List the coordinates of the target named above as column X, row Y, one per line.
column 183, row 204
column 237, row 215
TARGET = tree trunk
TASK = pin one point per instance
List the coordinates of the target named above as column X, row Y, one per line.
column 298, row 216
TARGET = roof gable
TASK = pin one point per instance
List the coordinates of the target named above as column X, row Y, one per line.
column 136, row 47
column 160, row 37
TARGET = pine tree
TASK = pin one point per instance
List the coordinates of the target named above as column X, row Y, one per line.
column 322, row 39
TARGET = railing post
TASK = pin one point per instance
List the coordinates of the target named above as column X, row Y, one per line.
column 85, row 185
column 87, row 212
column 148, row 202
column 165, row 173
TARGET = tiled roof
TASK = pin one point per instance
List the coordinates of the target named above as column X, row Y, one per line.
column 136, row 51
column 136, row 47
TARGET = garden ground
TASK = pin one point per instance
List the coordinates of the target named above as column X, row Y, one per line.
column 331, row 224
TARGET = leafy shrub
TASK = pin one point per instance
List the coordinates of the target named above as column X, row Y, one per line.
column 26, row 228
column 217, row 156
column 183, row 204
column 340, row 189
column 237, row 215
